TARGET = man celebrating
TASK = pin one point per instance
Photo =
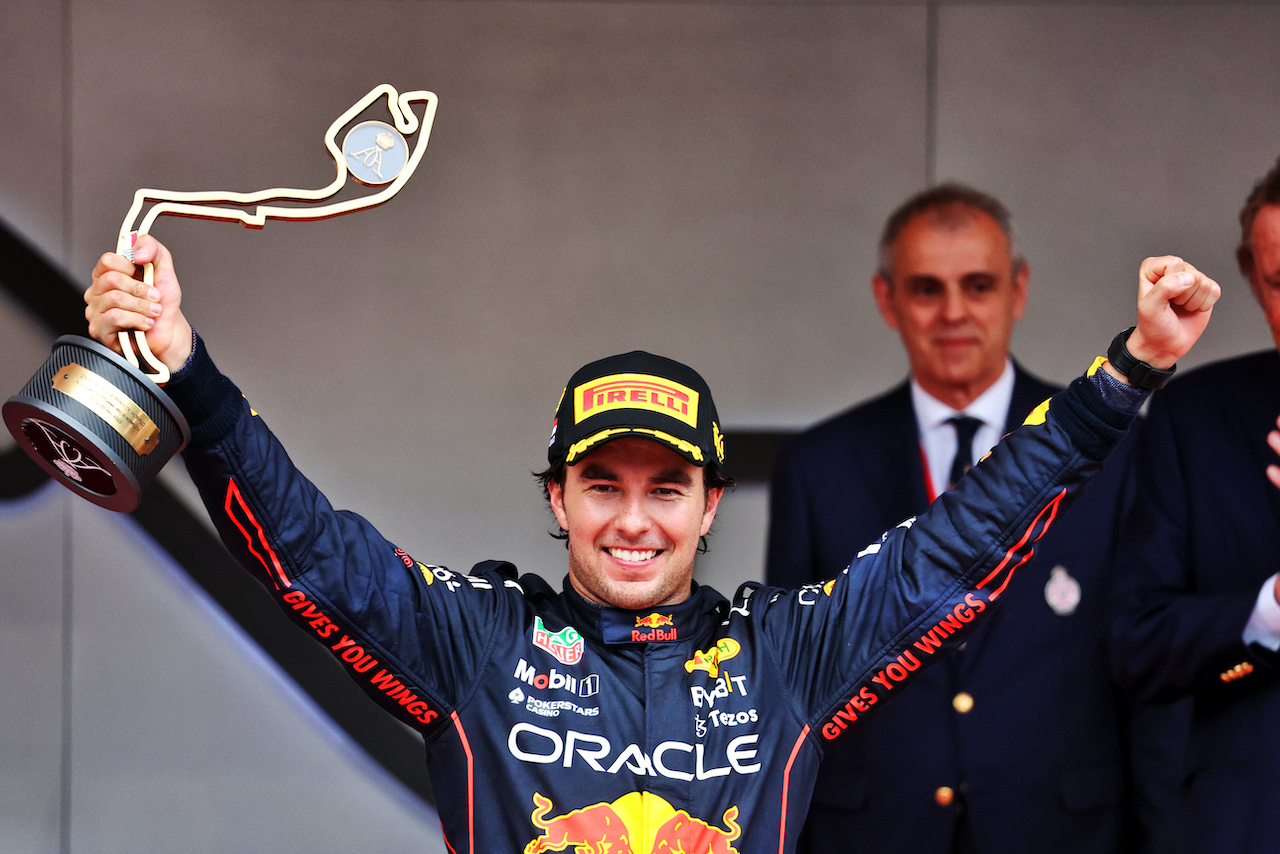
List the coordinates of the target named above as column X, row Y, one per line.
column 930, row 778
column 634, row 710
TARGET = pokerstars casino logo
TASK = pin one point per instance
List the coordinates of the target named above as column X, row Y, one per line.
column 635, row 391
column 566, row 645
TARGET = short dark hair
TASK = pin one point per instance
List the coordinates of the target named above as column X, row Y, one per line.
column 712, row 478
column 943, row 200
column 1265, row 192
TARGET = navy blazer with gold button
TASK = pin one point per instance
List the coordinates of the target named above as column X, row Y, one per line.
column 1201, row 539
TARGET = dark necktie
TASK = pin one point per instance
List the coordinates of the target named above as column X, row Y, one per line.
column 966, row 427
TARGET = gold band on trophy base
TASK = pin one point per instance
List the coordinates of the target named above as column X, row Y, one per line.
column 101, row 424
column 107, row 402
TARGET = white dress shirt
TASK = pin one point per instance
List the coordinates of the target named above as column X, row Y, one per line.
column 938, row 438
column 1264, row 623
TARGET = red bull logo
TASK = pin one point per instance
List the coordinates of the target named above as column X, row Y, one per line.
column 654, row 623
column 636, row 391
column 623, row 827
column 655, row 620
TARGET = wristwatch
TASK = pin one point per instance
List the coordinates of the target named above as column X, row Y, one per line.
column 1139, row 374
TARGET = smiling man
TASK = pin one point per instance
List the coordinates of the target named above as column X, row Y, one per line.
column 633, row 710
column 635, row 499
column 634, row 519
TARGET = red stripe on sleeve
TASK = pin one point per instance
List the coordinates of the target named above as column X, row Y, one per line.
column 1038, row 527
column 274, row 570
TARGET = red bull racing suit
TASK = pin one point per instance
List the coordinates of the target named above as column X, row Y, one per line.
column 554, row 724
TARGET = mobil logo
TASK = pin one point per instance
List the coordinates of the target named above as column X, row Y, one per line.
column 554, row 680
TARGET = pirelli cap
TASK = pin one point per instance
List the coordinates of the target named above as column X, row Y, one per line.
column 636, row 394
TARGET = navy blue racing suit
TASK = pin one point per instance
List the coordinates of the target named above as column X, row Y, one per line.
column 554, row 724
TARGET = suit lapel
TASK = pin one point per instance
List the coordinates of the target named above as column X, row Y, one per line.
column 891, row 455
column 1259, row 396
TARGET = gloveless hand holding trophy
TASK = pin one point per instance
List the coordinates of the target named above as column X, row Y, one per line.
column 101, row 424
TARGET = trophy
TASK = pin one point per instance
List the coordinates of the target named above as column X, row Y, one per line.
column 102, row 424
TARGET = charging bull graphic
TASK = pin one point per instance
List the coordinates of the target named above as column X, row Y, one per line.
column 623, row 827
column 654, row 621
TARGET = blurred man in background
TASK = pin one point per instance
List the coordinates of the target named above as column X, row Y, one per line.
column 1019, row 741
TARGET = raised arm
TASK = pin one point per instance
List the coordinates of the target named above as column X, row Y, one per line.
column 928, row 582
column 411, row 635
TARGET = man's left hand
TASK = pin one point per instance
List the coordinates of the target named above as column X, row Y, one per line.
column 1174, row 303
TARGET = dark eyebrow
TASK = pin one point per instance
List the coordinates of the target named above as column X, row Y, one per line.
column 680, row 477
column 921, row 279
column 596, row 471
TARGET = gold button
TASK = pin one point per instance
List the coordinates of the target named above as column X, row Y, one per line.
column 944, row 796
column 962, row 702
column 1241, row 670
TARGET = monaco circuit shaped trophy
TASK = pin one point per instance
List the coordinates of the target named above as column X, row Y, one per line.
column 101, row 424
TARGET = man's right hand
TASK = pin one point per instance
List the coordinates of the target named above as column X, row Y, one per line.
column 1273, row 474
column 117, row 302
column 1273, row 439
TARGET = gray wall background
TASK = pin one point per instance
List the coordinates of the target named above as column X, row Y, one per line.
column 702, row 179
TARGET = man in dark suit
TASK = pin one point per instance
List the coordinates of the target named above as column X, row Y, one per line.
column 1017, row 742
column 1201, row 546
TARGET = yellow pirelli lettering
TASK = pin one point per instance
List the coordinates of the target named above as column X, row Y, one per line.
column 635, row 391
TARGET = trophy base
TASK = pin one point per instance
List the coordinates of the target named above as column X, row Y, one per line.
column 96, row 423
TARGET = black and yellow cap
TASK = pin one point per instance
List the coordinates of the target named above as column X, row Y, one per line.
column 636, row 394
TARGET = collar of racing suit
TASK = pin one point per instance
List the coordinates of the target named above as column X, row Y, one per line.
column 666, row 624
